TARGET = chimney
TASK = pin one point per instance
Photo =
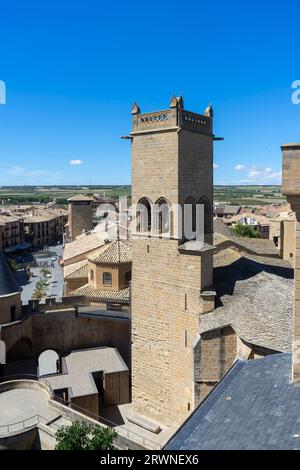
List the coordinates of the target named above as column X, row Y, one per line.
column 291, row 189
column 207, row 301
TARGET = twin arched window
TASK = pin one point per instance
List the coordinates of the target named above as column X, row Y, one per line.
column 157, row 217
column 196, row 217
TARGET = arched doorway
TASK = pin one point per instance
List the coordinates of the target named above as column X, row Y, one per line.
column 2, row 352
column 48, row 362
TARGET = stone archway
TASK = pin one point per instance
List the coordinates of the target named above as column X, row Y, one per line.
column 22, row 349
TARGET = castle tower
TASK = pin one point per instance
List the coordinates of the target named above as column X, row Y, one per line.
column 172, row 164
column 291, row 188
column 80, row 217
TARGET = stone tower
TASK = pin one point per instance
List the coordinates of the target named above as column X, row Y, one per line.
column 172, row 164
column 291, row 188
column 80, row 217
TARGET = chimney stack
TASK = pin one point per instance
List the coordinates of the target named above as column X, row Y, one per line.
column 291, row 189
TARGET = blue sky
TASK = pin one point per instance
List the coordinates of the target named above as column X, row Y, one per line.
column 73, row 70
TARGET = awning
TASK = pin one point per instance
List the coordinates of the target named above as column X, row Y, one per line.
column 18, row 247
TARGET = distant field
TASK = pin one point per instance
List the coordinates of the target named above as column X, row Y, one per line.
column 248, row 195
column 245, row 195
column 24, row 194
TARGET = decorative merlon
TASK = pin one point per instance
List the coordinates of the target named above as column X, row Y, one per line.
column 135, row 108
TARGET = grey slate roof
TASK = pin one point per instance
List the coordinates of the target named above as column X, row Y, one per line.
column 255, row 406
column 8, row 284
column 256, row 298
column 260, row 310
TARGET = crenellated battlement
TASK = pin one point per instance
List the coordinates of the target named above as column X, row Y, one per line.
column 50, row 303
column 175, row 118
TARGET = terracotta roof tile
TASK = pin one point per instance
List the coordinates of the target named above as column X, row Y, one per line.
column 118, row 251
column 97, row 295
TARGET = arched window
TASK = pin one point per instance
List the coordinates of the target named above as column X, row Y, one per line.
column 127, row 278
column 48, row 362
column 207, row 215
column 162, row 216
column 143, row 216
column 107, row 279
column 92, row 275
column 190, row 218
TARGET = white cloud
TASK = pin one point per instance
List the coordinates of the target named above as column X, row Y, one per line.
column 258, row 175
column 276, row 174
column 216, row 165
column 76, row 162
column 240, row 167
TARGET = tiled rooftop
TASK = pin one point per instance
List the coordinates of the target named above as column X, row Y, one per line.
column 80, row 273
column 85, row 243
column 118, row 251
column 260, row 310
column 71, row 268
column 255, row 297
column 81, row 197
column 97, row 295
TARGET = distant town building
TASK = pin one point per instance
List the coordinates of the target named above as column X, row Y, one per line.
column 31, row 226
column 80, row 215
column 44, row 226
column 256, row 221
column 225, row 212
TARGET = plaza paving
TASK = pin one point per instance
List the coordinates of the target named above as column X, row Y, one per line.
column 55, row 283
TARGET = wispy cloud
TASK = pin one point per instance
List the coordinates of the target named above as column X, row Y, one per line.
column 216, row 165
column 258, row 175
column 18, row 173
column 76, row 162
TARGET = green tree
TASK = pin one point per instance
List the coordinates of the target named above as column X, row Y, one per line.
column 40, row 290
column 14, row 266
column 44, row 272
column 84, row 436
column 246, row 231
